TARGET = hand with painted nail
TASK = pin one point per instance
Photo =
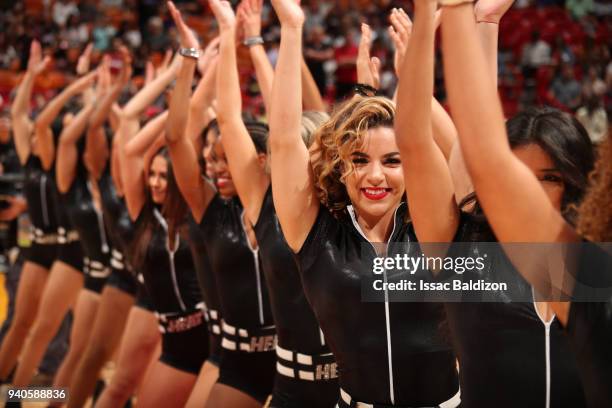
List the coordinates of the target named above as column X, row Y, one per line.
column 289, row 13
column 399, row 31
column 249, row 17
column 84, row 61
column 223, row 14
column 187, row 36
column 368, row 68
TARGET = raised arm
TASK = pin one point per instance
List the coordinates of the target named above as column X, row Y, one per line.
column 429, row 186
column 249, row 18
column 514, row 202
column 248, row 174
column 147, row 95
column 67, row 151
column 368, row 68
column 132, row 164
column 293, row 187
column 444, row 131
column 44, row 120
column 129, row 117
column 204, row 94
column 488, row 15
column 96, row 148
column 183, row 154
column 20, row 120
column 42, row 125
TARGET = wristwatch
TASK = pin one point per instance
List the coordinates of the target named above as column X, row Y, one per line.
column 190, row 53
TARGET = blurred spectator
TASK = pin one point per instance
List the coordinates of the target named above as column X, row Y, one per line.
column 156, row 37
column 88, row 10
column 317, row 51
column 316, row 12
column 579, row 8
column 536, row 52
column 565, row 89
column 102, row 33
column 562, row 53
column 62, row 9
column 346, row 71
column 111, row 3
column 593, row 117
column 76, row 33
column 131, row 34
column 602, row 8
column 7, row 51
column 527, row 60
column 592, row 83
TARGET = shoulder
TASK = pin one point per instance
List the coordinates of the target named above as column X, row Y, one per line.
column 326, row 228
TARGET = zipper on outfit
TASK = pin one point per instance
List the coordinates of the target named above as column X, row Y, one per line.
column 100, row 217
column 43, row 199
column 547, row 325
column 255, row 252
column 171, row 253
column 387, row 313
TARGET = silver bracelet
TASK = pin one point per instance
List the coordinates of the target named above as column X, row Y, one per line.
column 193, row 53
column 251, row 41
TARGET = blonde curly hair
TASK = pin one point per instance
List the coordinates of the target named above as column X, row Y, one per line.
column 338, row 139
column 595, row 211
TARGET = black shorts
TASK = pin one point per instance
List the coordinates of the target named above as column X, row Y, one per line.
column 95, row 285
column 251, row 373
column 123, row 280
column 214, row 342
column 71, row 254
column 293, row 393
column 186, row 350
column 42, row 254
column 97, row 273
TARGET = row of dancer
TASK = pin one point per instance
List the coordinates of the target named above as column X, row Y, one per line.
column 319, row 207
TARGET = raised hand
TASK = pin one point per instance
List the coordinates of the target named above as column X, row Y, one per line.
column 289, row 12
column 368, row 68
column 399, row 31
column 210, row 52
column 149, row 72
column 84, row 61
column 249, row 17
column 188, row 38
column 173, row 67
column 491, row 11
column 223, row 14
column 86, row 81
column 164, row 64
column 36, row 63
column 104, row 76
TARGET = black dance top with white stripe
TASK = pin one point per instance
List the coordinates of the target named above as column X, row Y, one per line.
column 40, row 192
column 117, row 220
column 86, row 218
column 590, row 326
column 206, row 277
column 387, row 353
column 296, row 325
column 168, row 269
column 242, row 290
column 509, row 355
